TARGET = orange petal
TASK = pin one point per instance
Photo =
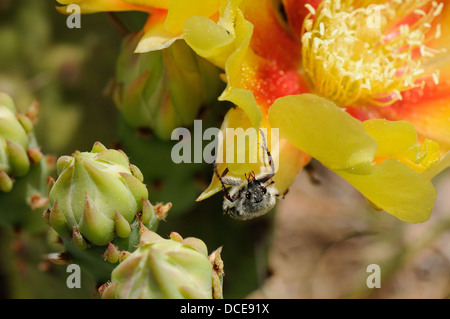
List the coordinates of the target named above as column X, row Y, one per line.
column 444, row 21
column 160, row 4
column 428, row 110
column 254, row 47
column 274, row 67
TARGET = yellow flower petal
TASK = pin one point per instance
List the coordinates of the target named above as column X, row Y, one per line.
column 218, row 41
column 246, row 101
column 393, row 137
column 291, row 161
column 208, row 39
column 318, row 127
column 235, row 132
column 439, row 167
column 155, row 36
column 398, row 139
column 214, row 187
column 180, row 10
column 396, row 189
column 93, row 6
column 235, row 64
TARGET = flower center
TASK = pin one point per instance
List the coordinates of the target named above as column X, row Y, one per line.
column 354, row 51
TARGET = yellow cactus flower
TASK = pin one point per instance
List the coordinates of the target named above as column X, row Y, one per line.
column 375, row 61
column 362, row 86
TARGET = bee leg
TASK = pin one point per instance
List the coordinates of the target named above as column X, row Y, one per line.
column 264, row 147
column 268, row 176
column 271, row 182
column 225, row 190
column 235, row 196
column 282, row 196
column 265, row 178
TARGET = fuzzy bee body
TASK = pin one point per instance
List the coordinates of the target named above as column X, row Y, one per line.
column 253, row 200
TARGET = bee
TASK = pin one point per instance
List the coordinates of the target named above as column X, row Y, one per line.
column 250, row 197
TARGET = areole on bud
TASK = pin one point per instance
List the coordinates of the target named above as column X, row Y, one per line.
column 6, row 183
column 78, row 240
column 26, row 122
column 137, row 172
column 98, row 204
column 167, row 268
column 161, row 210
column 57, row 219
column 123, row 255
column 62, row 163
column 112, row 254
column 218, row 273
column 18, row 158
column 35, row 156
column 123, row 228
column 147, row 211
column 59, row 258
column 37, row 201
column 98, row 148
column 50, row 183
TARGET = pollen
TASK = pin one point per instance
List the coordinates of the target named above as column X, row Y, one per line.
column 357, row 51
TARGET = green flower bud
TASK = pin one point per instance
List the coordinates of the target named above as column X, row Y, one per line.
column 165, row 268
column 16, row 154
column 96, row 193
column 98, row 202
column 163, row 90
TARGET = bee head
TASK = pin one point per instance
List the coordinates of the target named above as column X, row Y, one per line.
column 255, row 191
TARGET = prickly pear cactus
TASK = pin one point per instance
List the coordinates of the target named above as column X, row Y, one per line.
column 22, row 207
column 98, row 205
column 16, row 153
column 163, row 90
column 173, row 268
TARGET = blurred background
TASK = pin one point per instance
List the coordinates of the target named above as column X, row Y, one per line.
column 317, row 244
